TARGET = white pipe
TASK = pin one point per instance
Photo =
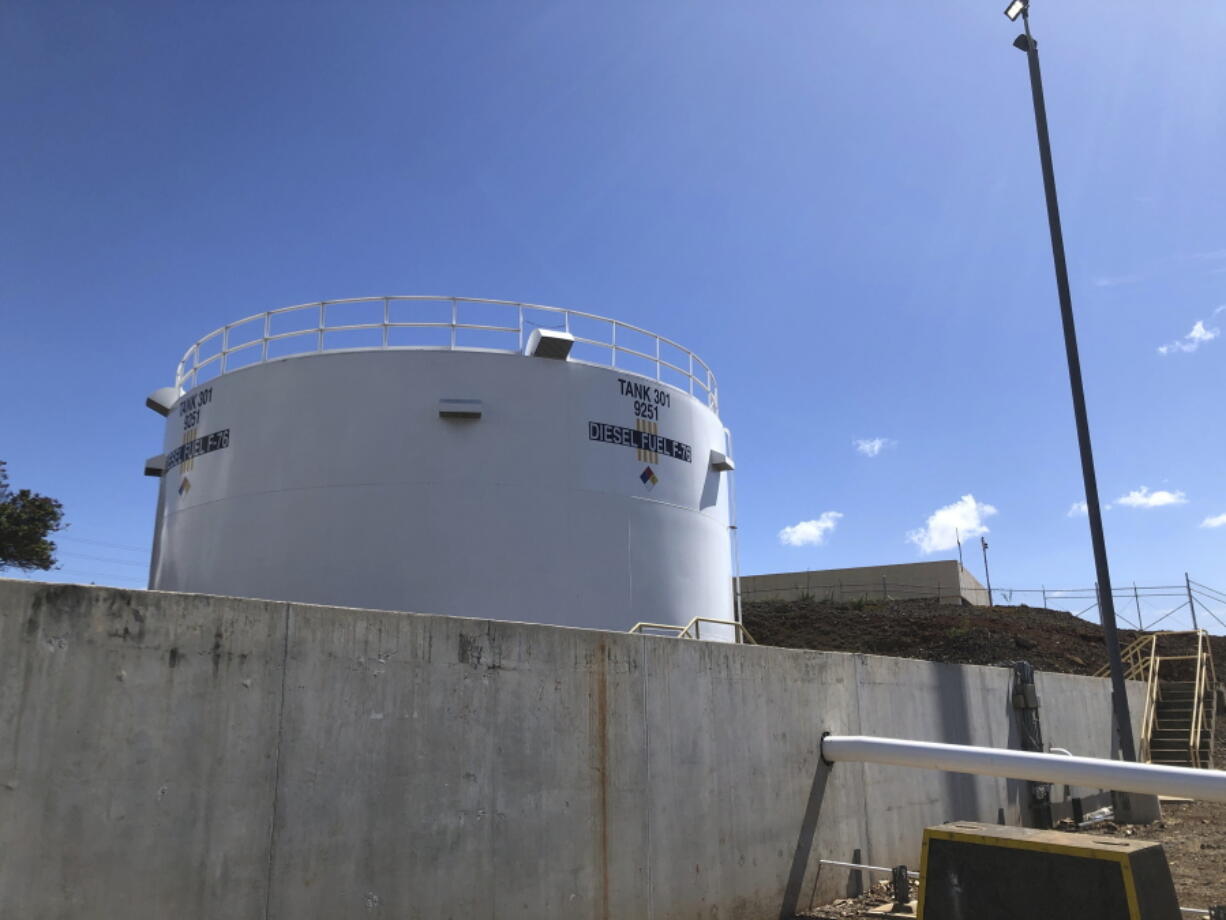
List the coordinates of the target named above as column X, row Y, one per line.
column 847, row 865
column 1121, row 776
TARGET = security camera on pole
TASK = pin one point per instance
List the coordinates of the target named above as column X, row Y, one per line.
column 987, row 576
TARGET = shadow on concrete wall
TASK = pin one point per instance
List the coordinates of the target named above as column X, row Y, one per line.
column 961, row 792
column 1017, row 792
column 804, row 843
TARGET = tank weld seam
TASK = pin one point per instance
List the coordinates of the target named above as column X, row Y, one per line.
column 415, row 482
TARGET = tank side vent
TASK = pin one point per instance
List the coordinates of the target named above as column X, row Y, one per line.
column 459, row 408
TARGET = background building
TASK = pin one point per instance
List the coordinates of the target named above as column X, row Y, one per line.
column 946, row 580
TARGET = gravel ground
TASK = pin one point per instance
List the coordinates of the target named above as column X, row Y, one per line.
column 1194, row 837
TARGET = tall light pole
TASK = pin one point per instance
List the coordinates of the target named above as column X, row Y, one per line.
column 1119, row 694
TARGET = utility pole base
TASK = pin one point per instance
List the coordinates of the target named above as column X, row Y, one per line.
column 1135, row 808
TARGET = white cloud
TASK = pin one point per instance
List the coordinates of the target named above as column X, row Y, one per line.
column 1198, row 336
column 1077, row 509
column 871, row 447
column 964, row 517
column 1143, row 498
column 1217, row 521
column 1115, row 281
column 810, row 533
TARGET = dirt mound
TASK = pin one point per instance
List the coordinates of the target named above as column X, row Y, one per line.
column 1051, row 640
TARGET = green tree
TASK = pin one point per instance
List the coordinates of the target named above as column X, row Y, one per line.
column 26, row 521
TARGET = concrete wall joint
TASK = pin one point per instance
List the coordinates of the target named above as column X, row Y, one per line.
column 287, row 616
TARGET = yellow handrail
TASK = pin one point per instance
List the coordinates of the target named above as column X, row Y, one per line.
column 1151, row 700
column 1198, row 704
column 683, row 632
column 1133, row 655
column 1213, row 688
column 1142, row 662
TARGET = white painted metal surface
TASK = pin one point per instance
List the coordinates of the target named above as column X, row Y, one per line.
column 423, row 321
column 580, row 494
column 1149, row 779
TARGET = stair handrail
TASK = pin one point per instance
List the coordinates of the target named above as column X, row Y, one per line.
column 1213, row 691
column 691, row 629
column 1142, row 662
column 1151, row 698
column 741, row 631
column 1198, row 701
column 1134, row 658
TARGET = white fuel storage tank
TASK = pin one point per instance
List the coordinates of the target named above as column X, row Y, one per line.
column 446, row 455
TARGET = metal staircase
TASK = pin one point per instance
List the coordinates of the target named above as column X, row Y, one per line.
column 1180, row 712
column 1174, row 740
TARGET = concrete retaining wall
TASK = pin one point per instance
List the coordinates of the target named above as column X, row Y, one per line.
column 199, row 757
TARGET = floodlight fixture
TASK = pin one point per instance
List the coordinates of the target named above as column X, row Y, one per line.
column 1016, row 8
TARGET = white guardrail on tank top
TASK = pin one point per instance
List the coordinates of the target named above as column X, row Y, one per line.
column 432, row 323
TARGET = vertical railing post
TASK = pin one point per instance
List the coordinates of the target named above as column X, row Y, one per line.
column 319, row 336
column 387, row 319
column 1137, row 597
column 520, row 311
column 267, row 333
column 455, row 319
column 225, row 349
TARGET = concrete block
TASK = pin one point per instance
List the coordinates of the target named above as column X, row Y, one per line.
column 1013, row 873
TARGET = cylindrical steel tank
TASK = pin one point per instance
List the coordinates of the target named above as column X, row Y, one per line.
column 441, row 455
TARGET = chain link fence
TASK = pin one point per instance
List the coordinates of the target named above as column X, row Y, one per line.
column 1190, row 605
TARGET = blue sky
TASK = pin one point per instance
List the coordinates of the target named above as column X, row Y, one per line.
column 837, row 204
